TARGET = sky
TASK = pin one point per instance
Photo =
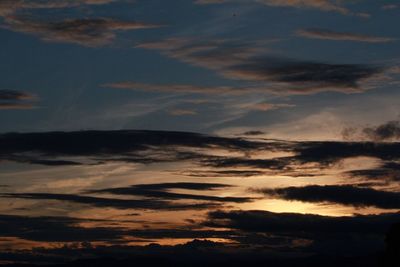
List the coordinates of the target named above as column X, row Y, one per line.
column 263, row 129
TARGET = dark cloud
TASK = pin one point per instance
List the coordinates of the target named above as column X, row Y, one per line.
column 250, row 63
column 330, row 152
column 304, row 75
column 322, row 5
column 387, row 172
column 223, row 173
column 129, row 146
column 146, row 147
column 143, row 204
column 53, row 229
column 86, row 32
column 341, row 36
column 182, row 88
column 229, row 162
column 11, row 99
column 301, row 224
column 252, row 133
column 388, row 131
column 14, row 95
column 162, row 191
column 337, row 194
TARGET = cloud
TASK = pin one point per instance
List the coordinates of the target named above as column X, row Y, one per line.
column 87, row 32
column 341, row 36
column 224, row 173
column 330, row 152
column 390, row 7
column 388, row 131
column 14, row 95
column 143, row 204
column 11, row 99
column 250, row 63
column 202, row 151
column 16, row 106
column 208, row 2
column 124, row 145
column 384, row 132
column 182, row 88
column 54, row 229
column 182, row 112
column 229, row 162
column 304, row 75
column 252, row 133
column 263, row 106
column 295, row 223
column 386, row 172
column 162, row 192
column 324, row 5
column 337, row 194
column 8, row 7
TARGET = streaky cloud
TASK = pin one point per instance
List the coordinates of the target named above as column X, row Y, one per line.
column 143, row 204
column 250, row 63
column 90, row 32
column 162, row 192
column 341, row 36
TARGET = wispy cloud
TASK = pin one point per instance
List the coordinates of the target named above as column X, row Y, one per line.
column 182, row 112
column 163, row 192
column 8, row 7
column 207, row 2
column 86, row 32
column 251, row 63
column 341, row 36
column 322, row 5
column 390, row 7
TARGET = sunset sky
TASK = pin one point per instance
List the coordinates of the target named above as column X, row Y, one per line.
column 265, row 127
